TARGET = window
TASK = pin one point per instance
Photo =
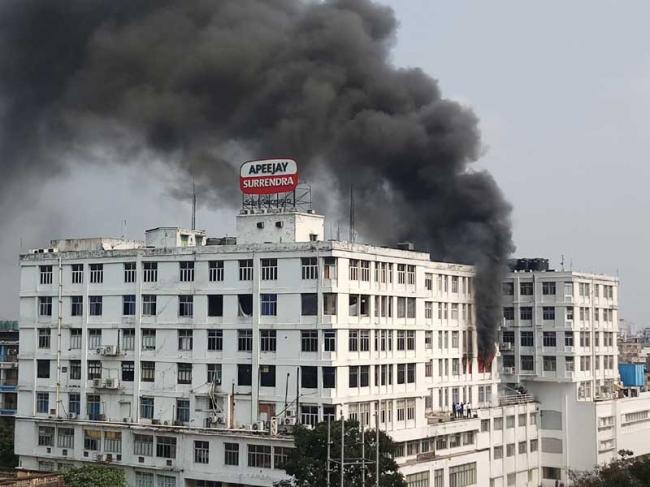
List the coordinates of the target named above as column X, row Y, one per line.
column 280, row 456
column 185, row 340
column 527, row 362
column 113, row 441
column 186, row 306
column 65, row 438
column 309, row 340
column 94, row 369
column 148, row 339
column 269, row 269
column 353, row 340
column 329, row 340
column 309, row 415
column 165, row 447
column 358, row 376
column 42, row 402
column 184, row 373
column 94, row 338
column 329, row 304
column 526, row 313
column 549, row 339
column 268, row 340
column 365, row 270
column 550, row 363
column 246, row 270
column 96, row 273
column 148, row 371
column 231, row 454
column 215, row 340
column 128, row 339
column 143, row 445
column 77, row 273
column 354, row 270
column 245, row 303
column 548, row 312
column 309, row 267
column 526, row 288
column 76, row 308
column 45, row 306
column 508, row 288
column 92, row 439
column 364, row 340
column 167, row 480
column 244, row 374
column 552, row 473
column 186, row 271
column 45, row 436
column 267, row 375
column 215, row 305
column 44, row 337
column 527, row 338
column 129, row 272
column 146, row 407
column 245, row 340
column 215, row 270
column 75, row 338
column 75, row 369
column 150, row 271
column 548, row 288
column 498, row 424
column 269, row 304
column 309, row 304
column 148, row 305
column 128, row 305
column 329, row 377
column 510, row 450
column 74, row 403
column 201, row 451
column 308, row 377
column 568, row 338
column 329, row 267
column 498, row 452
column 95, row 305
column 183, row 410
column 509, row 313
column 462, row 475
column 259, row 456
column 214, row 373
column 128, row 371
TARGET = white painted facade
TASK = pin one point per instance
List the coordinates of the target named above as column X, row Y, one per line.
column 558, row 340
column 166, row 359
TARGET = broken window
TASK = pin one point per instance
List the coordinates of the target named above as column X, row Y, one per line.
column 245, row 302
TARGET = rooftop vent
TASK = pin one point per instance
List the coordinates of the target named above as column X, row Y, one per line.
column 405, row 246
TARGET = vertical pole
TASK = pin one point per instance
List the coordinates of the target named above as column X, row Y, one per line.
column 377, row 445
column 363, row 454
column 329, row 425
column 342, row 450
column 297, row 395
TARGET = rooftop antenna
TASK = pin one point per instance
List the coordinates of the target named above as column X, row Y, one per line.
column 562, row 262
column 351, row 236
column 193, row 204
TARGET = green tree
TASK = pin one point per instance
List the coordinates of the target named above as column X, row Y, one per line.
column 624, row 471
column 7, row 457
column 307, row 462
column 94, row 476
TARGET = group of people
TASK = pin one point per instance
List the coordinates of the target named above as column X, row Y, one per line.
column 461, row 410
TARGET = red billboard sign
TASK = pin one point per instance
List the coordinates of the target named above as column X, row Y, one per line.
column 268, row 176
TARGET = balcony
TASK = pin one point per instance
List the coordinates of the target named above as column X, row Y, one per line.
column 8, row 387
column 512, row 399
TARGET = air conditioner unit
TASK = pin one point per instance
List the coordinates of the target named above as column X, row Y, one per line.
column 290, row 420
column 509, row 370
column 102, row 417
column 98, row 383
column 506, row 346
column 111, row 383
column 109, row 350
column 155, row 421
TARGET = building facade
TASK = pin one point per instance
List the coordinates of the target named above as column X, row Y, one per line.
column 186, row 359
column 8, row 367
column 559, row 341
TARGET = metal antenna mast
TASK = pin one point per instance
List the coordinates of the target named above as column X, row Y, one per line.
column 351, row 236
column 193, row 204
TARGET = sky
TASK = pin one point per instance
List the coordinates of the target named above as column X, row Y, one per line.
column 562, row 90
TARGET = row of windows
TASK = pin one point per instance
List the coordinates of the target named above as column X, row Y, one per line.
column 548, row 313
column 358, row 339
column 358, row 305
column 522, row 448
column 433, row 444
column 550, row 338
column 550, row 362
column 550, row 289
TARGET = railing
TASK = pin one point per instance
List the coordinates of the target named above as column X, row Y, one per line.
column 511, row 399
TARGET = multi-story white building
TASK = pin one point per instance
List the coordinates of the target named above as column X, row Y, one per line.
column 178, row 358
column 558, row 340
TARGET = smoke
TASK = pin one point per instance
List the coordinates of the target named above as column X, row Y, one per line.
column 201, row 84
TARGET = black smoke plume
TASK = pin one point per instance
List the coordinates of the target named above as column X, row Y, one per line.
column 201, row 84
